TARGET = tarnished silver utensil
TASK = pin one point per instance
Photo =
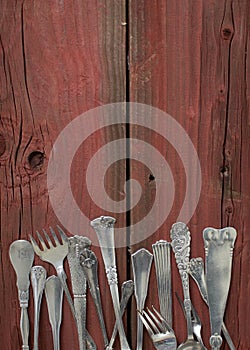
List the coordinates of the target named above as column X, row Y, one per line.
column 219, row 246
column 77, row 244
column 196, row 321
column 22, row 256
column 54, row 298
column 161, row 252
column 180, row 237
column 38, row 277
column 160, row 332
column 196, row 271
column 104, row 228
column 127, row 291
column 141, row 264
column 55, row 253
column 89, row 265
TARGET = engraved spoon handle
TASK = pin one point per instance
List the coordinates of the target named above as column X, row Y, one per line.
column 21, row 255
column 196, row 271
column 127, row 291
column 38, row 278
column 180, row 236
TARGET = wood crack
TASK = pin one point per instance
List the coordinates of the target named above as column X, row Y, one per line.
column 227, row 34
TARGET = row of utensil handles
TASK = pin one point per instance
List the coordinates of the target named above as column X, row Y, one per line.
column 213, row 279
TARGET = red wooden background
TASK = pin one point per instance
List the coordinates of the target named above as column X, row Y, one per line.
column 189, row 58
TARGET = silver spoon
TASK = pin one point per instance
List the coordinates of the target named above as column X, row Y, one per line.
column 22, row 256
column 38, row 278
column 141, row 264
column 54, row 298
column 180, row 236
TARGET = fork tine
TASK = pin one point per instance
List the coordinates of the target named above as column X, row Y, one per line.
column 162, row 329
column 54, row 236
column 48, row 239
column 144, row 321
column 163, row 320
column 62, row 234
column 41, row 241
column 35, row 245
column 151, row 322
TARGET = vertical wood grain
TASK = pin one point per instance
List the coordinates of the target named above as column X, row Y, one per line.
column 187, row 58
column 58, row 60
column 190, row 59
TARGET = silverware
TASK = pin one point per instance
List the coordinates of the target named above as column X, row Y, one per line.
column 160, row 332
column 22, row 256
column 180, row 236
column 196, row 271
column 196, row 321
column 161, row 252
column 219, row 246
column 127, row 291
column 54, row 298
column 89, row 264
column 55, row 255
column 104, row 228
column 141, row 264
column 38, row 277
column 77, row 244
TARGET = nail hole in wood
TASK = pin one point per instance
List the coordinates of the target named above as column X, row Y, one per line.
column 36, row 159
column 2, row 145
column 226, row 33
column 229, row 210
column 224, row 170
column 151, row 178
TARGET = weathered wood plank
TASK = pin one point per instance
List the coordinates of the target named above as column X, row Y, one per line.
column 58, row 60
column 189, row 59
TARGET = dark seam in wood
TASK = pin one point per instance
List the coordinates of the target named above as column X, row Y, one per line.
column 228, row 84
column 25, row 64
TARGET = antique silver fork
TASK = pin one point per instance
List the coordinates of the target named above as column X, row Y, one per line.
column 55, row 254
column 196, row 321
column 160, row 332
